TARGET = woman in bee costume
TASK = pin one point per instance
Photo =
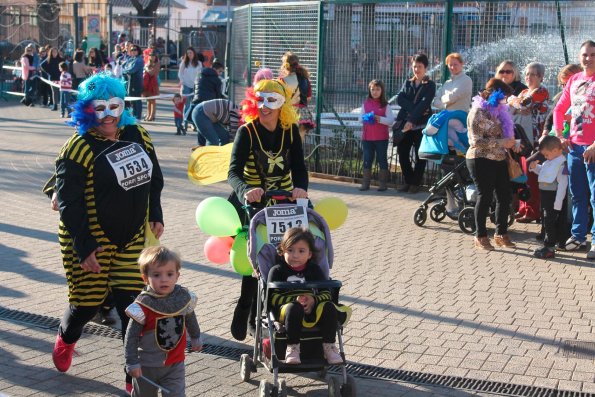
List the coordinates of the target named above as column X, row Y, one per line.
column 267, row 155
column 109, row 186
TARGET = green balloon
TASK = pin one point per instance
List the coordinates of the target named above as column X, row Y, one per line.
column 216, row 216
column 238, row 255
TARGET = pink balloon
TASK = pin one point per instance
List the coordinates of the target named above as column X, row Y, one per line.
column 217, row 249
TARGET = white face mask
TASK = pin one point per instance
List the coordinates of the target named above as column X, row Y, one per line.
column 114, row 107
column 271, row 100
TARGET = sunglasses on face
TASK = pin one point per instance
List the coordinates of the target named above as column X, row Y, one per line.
column 505, row 71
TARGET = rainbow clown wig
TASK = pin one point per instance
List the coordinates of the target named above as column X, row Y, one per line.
column 288, row 115
column 98, row 86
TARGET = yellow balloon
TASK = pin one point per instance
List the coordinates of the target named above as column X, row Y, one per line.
column 333, row 210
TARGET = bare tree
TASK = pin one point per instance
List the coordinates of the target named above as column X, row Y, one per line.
column 48, row 12
column 145, row 13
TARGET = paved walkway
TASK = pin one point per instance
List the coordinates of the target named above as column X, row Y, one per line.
column 423, row 299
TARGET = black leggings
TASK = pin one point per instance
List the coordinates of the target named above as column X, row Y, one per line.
column 294, row 314
column 491, row 176
column 75, row 317
column 412, row 176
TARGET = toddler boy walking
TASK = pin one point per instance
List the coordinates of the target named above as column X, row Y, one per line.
column 65, row 84
column 553, row 183
column 156, row 338
column 179, row 114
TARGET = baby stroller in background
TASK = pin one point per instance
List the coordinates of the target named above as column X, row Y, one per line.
column 269, row 339
column 457, row 185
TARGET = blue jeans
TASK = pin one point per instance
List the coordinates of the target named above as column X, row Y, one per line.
column 582, row 183
column 378, row 149
column 179, row 122
column 214, row 133
column 64, row 101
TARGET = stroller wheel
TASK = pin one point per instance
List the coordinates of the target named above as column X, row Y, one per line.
column 348, row 389
column 264, row 389
column 467, row 220
column 420, row 216
column 245, row 367
column 438, row 212
column 334, row 387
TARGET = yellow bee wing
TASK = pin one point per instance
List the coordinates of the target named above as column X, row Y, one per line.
column 209, row 164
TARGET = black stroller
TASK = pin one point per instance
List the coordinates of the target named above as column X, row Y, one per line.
column 457, row 186
column 270, row 339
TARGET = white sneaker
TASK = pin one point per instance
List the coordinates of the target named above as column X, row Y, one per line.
column 292, row 354
column 573, row 244
column 591, row 253
column 331, row 353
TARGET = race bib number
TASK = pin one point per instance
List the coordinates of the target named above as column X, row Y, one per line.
column 132, row 166
column 281, row 218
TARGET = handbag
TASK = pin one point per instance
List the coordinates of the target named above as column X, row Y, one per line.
column 514, row 168
column 398, row 134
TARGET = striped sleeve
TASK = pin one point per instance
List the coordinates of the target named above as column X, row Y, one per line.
column 74, row 181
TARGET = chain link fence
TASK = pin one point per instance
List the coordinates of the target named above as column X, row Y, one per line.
column 351, row 43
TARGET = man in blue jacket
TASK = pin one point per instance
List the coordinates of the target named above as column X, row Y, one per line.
column 133, row 72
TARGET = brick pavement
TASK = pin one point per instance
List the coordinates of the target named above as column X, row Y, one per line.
column 423, row 299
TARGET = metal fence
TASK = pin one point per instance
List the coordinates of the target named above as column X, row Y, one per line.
column 350, row 43
column 64, row 25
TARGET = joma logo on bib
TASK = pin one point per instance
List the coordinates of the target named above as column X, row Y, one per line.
column 125, row 152
column 291, row 211
column 132, row 166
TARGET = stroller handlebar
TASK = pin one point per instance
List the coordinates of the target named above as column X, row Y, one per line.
column 311, row 284
column 277, row 194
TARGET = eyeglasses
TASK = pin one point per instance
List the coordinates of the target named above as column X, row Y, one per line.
column 505, row 71
column 531, row 75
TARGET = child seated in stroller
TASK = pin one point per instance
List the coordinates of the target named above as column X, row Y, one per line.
column 302, row 307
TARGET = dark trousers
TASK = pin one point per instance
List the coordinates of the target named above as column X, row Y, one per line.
column 55, row 92
column 45, row 92
column 248, row 297
column 554, row 222
column 294, row 315
column 491, row 176
column 412, row 176
column 28, row 91
column 75, row 317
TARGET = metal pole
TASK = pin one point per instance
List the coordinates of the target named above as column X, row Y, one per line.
column 562, row 35
column 319, row 66
column 168, row 26
column 447, row 36
column 227, row 41
column 77, row 33
column 110, row 46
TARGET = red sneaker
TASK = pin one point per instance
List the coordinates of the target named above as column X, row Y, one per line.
column 62, row 354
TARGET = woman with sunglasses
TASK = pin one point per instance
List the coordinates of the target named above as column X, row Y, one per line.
column 508, row 73
column 108, row 184
column 267, row 155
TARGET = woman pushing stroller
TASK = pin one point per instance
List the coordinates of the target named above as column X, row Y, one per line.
column 267, row 155
column 302, row 307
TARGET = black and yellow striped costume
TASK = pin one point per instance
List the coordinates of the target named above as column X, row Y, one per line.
column 271, row 160
column 280, row 299
column 96, row 211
